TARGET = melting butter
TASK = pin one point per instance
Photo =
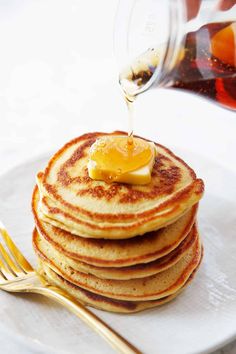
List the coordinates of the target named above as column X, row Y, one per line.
column 114, row 159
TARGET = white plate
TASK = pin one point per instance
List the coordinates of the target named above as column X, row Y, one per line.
column 200, row 320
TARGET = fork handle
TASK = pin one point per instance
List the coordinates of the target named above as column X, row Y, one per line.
column 112, row 337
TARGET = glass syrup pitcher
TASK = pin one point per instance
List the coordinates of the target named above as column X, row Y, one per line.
column 182, row 44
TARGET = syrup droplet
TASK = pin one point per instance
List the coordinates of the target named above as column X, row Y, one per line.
column 130, row 140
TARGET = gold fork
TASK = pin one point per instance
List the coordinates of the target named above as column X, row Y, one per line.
column 17, row 275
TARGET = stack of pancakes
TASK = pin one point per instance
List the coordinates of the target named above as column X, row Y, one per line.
column 117, row 247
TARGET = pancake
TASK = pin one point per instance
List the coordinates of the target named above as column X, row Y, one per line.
column 43, row 247
column 149, row 288
column 102, row 302
column 115, row 253
column 72, row 201
column 98, row 301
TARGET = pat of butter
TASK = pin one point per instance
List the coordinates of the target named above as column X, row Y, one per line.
column 141, row 175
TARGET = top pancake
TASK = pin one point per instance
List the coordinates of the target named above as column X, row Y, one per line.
column 88, row 208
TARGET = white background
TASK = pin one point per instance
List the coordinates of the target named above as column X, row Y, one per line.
column 58, row 79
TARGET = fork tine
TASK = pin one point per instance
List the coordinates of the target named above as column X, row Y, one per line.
column 13, row 267
column 2, row 277
column 25, row 265
column 4, row 272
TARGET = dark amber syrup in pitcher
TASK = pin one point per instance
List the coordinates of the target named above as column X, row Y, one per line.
column 208, row 66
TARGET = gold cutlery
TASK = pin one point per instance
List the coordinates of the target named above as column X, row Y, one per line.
column 17, row 275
